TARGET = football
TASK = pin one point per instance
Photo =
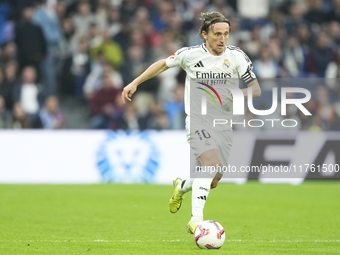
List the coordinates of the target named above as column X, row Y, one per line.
column 209, row 235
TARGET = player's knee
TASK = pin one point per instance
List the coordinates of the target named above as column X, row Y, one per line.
column 214, row 161
column 210, row 158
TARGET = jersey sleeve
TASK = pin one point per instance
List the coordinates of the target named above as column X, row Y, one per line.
column 177, row 59
column 245, row 68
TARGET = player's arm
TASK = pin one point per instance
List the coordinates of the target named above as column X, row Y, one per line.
column 256, row 90
column 153, row 70
column 245, row 70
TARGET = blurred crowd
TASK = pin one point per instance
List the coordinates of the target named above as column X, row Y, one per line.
column 90, row 49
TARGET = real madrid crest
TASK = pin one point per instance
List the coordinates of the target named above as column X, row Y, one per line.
column 207, row 143
column 226, row 64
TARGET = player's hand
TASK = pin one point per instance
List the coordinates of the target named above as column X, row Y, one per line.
column 128, row 91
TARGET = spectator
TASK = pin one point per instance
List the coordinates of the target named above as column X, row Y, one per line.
column 334, row 33
column 334, row 14
column 11, row 70
column 5, row 118
column 73, row 6
column 103, row 104
column 235, row 33
column 93, row 80
column 274, row 45
column 20, row 119
column 50, row 115
column 68, row 41
column 9, row 29
column 304, row 37
column 123, row 37
column 5, row 9
column 60, row 10
column 152, row 37
column 19, row 5
column 8, row 52
column 266, row 67
column 295, row 18
column 193, row 39
column 102, row 10
column 168, row 80
column 267, row 70
column 30, row 41
column 128, row 120
column 80, row 66
column 128, row 9
column 75, row 70
column 162, row 18
column 67, row 46
column 27, row 93
column 137, row 38
column 316, row 14
column 150, row 119
column 325, row 114
column 84, row 18
column 114, row 24
column 175, row 108
column 294, row 58
column 162, row 121
column 254, row 12
column 141, row 17
column 95, row 36
column 319, row 56
column 112, row 52
column 134, row 64
column 48, row 21
column 253, row 46
column 97, row 65
column 176, row 24
column 221, row 6
column 4, row 91
column 332, row 74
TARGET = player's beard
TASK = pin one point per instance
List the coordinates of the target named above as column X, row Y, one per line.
column 218, row 50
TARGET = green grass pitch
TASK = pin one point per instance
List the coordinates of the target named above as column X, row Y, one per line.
column 135, row 219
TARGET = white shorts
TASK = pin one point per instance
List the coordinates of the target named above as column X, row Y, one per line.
column 203, row 138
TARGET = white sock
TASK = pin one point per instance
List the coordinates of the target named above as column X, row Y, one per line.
column 200, row 192
column 185, row 186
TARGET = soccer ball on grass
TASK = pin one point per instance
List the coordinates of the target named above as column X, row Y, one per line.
column 209, row 234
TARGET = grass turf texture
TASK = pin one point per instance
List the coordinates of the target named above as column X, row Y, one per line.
column 135, row 219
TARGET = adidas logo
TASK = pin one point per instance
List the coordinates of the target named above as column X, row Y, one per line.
column 199, row 64
column 207, row 190
column 202, row 197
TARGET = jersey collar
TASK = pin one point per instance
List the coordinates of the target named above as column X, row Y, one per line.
column 206, row 50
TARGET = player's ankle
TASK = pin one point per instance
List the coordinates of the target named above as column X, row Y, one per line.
column 196, row 219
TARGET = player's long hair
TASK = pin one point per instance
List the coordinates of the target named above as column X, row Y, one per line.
column 209, row 19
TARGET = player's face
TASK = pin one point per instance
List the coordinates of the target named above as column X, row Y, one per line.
column 217, row 37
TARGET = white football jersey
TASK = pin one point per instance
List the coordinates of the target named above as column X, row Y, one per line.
column 206, row 75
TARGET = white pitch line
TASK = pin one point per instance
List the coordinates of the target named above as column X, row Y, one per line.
column 175, row 240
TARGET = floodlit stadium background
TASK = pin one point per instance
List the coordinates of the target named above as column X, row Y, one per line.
column 63, row 65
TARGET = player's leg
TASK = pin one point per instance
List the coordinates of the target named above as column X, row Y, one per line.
column 224, row 144
column 184, row 186
column 215, row 181
column 201, row 187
